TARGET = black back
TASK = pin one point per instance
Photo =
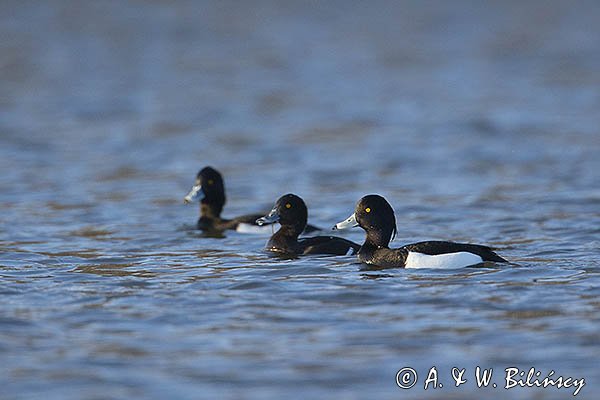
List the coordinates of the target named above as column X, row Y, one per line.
column 328, row 245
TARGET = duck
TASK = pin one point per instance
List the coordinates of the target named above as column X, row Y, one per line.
column 375, row 215
column 209, row 190
column 291, row 213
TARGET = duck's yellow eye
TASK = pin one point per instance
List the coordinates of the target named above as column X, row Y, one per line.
column 210, row 181
column 288, row 205
column 368, row 210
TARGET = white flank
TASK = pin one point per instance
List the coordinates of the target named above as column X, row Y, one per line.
column 257, row 230
column 450, row 260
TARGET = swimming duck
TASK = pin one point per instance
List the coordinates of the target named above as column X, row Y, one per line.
column 291, row 213
column 375, row 215
column 209, row 190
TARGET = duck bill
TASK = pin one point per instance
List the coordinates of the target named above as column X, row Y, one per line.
column 196, row 194
column 270, row 218
column 350, row 222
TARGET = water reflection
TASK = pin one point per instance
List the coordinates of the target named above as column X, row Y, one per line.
column 115, row 270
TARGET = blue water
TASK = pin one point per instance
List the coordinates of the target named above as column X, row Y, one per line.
column 478, row 122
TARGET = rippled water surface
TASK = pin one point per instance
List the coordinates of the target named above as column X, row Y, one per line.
column 478, row 122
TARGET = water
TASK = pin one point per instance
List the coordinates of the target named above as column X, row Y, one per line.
column 478, row 122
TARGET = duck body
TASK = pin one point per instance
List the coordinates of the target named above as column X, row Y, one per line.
column 243, row 224
column 209, row 191
column 291, row 213
column 430, row 254
column 281, row 242
column 375, row 215
column 211, row 220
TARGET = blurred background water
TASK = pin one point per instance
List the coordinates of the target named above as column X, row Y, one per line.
column 479, row 121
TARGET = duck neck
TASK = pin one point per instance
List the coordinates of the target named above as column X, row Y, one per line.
column 289, row 232
column 366, row 250
column 377, row 238
column 210, row 211
column 285, row 239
